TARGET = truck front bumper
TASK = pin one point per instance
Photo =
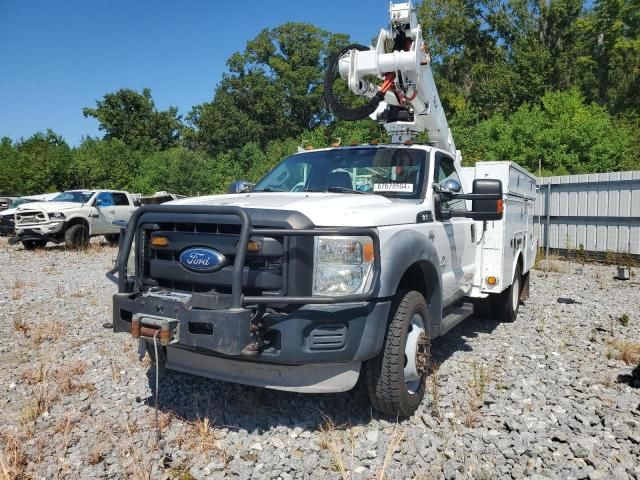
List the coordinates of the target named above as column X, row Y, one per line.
column 44, row 231
column 312, row 334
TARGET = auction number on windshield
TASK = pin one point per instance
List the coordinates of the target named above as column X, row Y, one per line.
column 393, row 187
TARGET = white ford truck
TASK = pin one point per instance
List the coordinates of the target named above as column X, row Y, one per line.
column 72, row 217
column 340, row 263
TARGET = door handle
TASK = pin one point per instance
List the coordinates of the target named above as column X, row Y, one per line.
column 112, row 211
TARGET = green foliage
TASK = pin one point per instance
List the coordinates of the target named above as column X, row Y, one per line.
column 133, row 118
column 273, row 90
column 568, row 135
column 104, row 164
column 556, row 82
column 37, row 164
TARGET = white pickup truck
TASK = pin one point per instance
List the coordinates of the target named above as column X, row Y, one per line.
column 73, row 217
column 340, row 263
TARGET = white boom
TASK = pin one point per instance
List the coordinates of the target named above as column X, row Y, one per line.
column 411, row 103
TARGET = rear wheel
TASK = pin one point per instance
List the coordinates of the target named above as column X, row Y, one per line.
column 507, row 304
column 33, row 244
column 395, row 379
column 76, row 236
column 113, row 238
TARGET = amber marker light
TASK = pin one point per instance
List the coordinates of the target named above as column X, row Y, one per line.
column 367, row 252
column 500, row 206
column 492, row 280
column 254, row 246
column 159, row 241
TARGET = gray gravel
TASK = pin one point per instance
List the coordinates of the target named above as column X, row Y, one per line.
column 546, row 397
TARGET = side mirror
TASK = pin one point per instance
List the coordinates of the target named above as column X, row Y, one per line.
column 490, row 208
column 448, row 188
column 240, row 186
column 486, row 200
column 98, row 202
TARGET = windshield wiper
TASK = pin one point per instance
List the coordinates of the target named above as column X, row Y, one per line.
column 345, row 190
column 267, row 189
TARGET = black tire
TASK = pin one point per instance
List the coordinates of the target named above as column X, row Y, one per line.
column 384, row 377
column 113, row 238
column 76, row 236
column 506, row 306
column 33, row 244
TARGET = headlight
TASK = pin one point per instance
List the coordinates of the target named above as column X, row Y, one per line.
column 342, row 265
column 57, row 216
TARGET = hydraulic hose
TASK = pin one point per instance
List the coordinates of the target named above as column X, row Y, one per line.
column 338, row 109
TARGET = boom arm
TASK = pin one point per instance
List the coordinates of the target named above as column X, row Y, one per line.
column 408, row 101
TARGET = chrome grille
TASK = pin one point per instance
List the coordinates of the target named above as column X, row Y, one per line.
column 30, row 217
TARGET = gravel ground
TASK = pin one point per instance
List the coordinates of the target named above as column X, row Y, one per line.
column 550, row 396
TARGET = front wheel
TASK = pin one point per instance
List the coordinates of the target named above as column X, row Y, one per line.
column 76, row 236
column 396, row 378
column 33, row 244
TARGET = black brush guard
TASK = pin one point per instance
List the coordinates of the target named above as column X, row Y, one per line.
column 233, row 317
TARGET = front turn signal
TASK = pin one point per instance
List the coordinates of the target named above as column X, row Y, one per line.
column 159, row 241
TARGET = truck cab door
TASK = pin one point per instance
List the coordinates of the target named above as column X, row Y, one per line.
column 456, row 245
column 103, row 214
column 122, row 206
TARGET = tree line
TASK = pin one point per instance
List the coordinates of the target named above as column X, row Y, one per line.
column 552, row 82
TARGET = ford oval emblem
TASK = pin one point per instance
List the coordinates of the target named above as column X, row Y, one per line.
column 202, row 260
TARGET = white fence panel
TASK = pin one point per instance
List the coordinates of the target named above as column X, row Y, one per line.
column 600, row 212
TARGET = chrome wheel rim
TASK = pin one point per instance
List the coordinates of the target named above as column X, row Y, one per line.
column 416, row 354
column 515, row 291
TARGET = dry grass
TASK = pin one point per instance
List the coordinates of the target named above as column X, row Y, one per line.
column 79, row 293
column 205, row 431
column 66, row 377
column 397, row 438
column 21, row 325
column 35, row 376
column 627, row 351
column 477, row 387
column 41, row 402
column 142, row 466
column 330, row 439
column 13, row 459
column 15, row 289
column 96, row 455
column 49, row 330
column 116, row 368
column 434, row 387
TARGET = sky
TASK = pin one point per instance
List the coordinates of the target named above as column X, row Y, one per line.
column 57, row 57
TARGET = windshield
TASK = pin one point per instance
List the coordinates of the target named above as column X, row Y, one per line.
column 22, row 201
column 77, row 197
column 392, row 172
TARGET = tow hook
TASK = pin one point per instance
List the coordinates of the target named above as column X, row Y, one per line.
column 255, row 328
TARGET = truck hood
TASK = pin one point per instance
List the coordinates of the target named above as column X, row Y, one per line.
column 48, row 206
column 323, row 209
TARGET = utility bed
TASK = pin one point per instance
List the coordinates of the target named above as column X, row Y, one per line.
column 505, row 239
